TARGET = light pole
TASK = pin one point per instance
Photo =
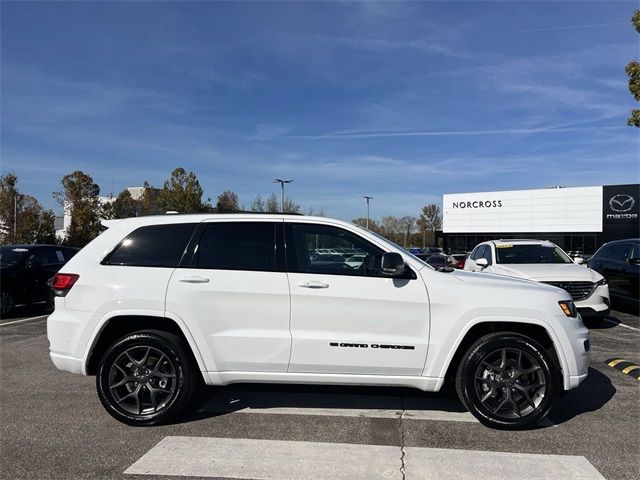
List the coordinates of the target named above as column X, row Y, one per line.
column 15, row 217
column 282, row 182
column 368, row 198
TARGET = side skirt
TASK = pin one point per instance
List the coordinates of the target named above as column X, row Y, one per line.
column 427, row 384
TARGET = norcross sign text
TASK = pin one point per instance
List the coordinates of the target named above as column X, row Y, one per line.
column 524, row 211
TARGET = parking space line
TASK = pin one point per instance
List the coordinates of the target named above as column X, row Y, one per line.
column 286, row 459
column 628, row 369
column 620, row 324
column 23, row 320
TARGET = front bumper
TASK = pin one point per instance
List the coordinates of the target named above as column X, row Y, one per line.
column 596, row 305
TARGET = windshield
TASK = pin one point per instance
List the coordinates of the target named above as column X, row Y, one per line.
column 12, row 256
column 507, row 253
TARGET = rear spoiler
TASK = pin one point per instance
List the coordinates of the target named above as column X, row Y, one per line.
column 109, row 223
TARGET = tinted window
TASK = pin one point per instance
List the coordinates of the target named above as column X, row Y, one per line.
column 619, row 251
column 55, row 255
column 474, row 254
column 310, row 240
column 602, row 251
column 12, row 256
column 487, row 254
column 38, row 257
column 153, row 246
column 238, row 246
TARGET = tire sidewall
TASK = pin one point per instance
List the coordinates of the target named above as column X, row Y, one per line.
column 466, row 379
column 175, row 354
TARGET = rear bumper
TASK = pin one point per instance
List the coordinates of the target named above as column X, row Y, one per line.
column 68, row 364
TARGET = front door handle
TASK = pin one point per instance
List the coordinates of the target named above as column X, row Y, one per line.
column 313, row 284
column 194, row 279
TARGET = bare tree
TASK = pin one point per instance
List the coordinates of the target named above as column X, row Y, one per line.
column 408, row 228
column 430, row 221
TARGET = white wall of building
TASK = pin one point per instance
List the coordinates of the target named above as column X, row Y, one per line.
column 573, row 209
column 136, row 193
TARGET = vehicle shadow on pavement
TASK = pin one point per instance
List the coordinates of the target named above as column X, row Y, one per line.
column 590, row 396
column 322, row 400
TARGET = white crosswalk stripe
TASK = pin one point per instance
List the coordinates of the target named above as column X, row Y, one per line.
column 278, row 459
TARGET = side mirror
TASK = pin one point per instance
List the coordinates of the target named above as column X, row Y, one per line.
column 578, row 260
column 634, row 261
column 482, row 262
column 392, row 264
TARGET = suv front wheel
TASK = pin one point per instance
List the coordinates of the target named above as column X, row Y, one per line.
column 146, row 378
column 507, row 381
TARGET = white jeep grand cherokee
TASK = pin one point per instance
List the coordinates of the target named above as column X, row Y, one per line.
column 543, row 261
column 154, row 305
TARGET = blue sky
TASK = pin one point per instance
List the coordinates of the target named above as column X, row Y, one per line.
column 401, row 101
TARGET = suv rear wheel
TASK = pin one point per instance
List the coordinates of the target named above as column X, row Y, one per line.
column 146, row 378
column 507, row 381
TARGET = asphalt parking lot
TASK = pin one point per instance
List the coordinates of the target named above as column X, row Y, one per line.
column 53, row 426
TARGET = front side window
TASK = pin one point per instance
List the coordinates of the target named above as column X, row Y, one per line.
column 153, row 246
column 238, row 246
column 352, row 255
column 534, row 253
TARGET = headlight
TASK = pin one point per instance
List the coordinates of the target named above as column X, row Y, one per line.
column 601, row 282
column 568, row 308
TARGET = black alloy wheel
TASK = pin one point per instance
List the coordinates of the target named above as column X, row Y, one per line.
column 146, row 378
column 507, row 381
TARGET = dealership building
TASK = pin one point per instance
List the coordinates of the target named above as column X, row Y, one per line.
column 575, row 218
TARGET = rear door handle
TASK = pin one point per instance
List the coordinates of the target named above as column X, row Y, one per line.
column 313, row 284
column 194, row 279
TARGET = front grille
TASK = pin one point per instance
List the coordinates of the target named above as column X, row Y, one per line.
column 577, row 290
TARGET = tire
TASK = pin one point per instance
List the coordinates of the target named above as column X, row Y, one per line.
column 507, row 381
column 6, row 303
column 147, row 378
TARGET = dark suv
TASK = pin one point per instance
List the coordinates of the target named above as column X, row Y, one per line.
column 25, row 270
column 619, row 263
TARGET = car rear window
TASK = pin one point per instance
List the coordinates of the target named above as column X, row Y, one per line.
column 153, row 246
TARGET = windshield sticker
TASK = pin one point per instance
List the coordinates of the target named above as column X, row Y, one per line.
column 504, row 245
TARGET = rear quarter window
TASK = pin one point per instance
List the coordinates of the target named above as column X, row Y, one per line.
column 153, row 246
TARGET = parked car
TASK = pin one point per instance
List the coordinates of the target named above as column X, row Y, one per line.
column 414, row 250
column 155, row 305
column 24, row 271
column 619, row 263
column 432, row 250
column 459, row 259
column 439, row 261
column 544, row 262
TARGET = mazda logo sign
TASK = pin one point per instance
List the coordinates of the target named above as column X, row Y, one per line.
column 621, row 203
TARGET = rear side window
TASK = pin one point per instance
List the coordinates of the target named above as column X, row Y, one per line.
column 153, row 246
column 238, row 246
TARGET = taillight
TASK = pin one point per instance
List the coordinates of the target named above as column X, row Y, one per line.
column 63, row 282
